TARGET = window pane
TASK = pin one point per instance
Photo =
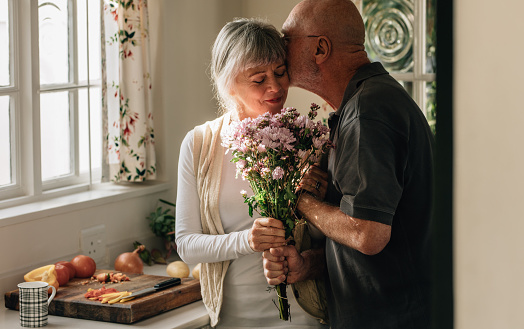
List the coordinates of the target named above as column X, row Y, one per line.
column 81, row 16
column 4, row 44
column 89, row 13
column 389, row 33
column 95, row 61
column 55, row 134
column 431, row 104
column 96, row 132
column 5, row 142
column 431, row 36
column 408, row 85
column 53, row 22
column 83, row 130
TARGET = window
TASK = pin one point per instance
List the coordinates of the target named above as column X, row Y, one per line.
column 401, row 35
column 50, row 96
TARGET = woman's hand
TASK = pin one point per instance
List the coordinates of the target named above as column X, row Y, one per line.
column 266, row 233
column 315, row 182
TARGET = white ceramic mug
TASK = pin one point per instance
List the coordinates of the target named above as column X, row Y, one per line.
column 33, row 303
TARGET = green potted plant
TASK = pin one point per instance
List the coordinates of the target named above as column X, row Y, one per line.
column 162, row 223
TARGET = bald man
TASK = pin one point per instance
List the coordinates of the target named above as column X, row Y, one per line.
column 375, row 206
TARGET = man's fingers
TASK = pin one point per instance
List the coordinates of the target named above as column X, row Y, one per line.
column 268, row 254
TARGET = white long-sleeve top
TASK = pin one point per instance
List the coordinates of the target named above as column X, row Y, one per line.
column 246, row 302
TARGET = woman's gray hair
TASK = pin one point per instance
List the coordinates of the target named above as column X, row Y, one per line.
column 242, row 44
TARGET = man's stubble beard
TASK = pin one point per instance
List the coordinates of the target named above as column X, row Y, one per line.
column 305, row 76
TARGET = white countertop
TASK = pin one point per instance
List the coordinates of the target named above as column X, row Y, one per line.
column 190, row 316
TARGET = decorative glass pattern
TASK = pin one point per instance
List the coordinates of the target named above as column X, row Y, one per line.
column 431, row 105
column 431, row 38
column 389, row 33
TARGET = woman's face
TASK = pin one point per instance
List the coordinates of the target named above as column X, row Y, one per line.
column 261, row 89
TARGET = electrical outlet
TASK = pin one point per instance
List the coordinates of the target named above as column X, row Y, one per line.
column 93, row 242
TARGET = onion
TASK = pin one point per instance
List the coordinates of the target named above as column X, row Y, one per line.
column 130, row 262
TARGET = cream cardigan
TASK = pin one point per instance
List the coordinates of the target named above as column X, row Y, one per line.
column 207, row 159
column 208, row 155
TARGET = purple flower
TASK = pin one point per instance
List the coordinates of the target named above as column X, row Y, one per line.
column 278, row 173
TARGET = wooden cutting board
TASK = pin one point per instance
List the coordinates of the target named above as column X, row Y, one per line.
column 70, row 301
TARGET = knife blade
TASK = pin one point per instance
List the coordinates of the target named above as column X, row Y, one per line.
column 159, row 286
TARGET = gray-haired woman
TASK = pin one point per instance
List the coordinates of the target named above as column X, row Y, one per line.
column 213, row 226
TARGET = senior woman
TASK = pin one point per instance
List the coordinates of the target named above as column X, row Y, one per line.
column 213, row 226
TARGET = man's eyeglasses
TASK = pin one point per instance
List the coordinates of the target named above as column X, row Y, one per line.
column 287, row 38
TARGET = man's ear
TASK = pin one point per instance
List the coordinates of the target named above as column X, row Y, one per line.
column 323, row 49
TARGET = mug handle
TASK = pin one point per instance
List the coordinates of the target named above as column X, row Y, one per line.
column 52, row 295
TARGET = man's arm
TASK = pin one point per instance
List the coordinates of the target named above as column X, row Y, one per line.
column 368, row 237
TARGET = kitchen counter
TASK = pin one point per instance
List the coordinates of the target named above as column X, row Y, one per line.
column 190, row 316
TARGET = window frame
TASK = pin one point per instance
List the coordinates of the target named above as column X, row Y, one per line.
column 24, row 92
column 418, row 77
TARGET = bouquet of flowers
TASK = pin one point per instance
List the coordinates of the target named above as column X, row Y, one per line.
column 273, row 152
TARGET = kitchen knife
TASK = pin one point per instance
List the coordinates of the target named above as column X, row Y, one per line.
column 159, row 286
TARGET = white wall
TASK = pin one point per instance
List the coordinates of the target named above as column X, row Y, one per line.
column 489, row 164
column 489, row 266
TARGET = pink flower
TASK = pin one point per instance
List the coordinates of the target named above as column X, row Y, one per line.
column 265, row 171
column 241, row 164
column 261, row 148
column 278, row 173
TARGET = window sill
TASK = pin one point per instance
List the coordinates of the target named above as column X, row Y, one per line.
column 98, row 195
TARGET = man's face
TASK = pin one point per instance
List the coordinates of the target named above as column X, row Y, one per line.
column 300, row 60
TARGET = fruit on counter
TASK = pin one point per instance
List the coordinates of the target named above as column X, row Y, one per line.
column 45, row 273
column 130, row 262
column 85, row 266
column 70, row 267
column 62, row 274
column 196, row 271
column 178, row 269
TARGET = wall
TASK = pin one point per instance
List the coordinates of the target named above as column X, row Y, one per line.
column 488, row 156
column 489, row 162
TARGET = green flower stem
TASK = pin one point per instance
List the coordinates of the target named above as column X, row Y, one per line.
column 283, row 304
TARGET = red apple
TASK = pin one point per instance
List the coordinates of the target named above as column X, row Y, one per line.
column 85, row 266
column 62, row 274
column 70, row 267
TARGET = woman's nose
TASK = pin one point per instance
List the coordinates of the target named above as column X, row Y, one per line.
column 274, row 84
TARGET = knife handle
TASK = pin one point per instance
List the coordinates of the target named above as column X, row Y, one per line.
column 167, row 283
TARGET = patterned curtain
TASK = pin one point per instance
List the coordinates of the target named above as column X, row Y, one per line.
column 126, row 91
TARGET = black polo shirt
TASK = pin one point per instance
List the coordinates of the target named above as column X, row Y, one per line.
column 381, row 169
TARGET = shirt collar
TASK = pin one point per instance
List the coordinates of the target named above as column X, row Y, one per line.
column 363, row 73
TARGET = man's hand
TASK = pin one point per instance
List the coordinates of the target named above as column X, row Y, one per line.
column 315, row 182
column 281, row 262
column 266, row 233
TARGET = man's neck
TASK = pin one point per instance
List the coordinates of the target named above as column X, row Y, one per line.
column 343, row 73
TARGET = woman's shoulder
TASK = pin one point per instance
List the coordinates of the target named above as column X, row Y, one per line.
column 212, row 124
